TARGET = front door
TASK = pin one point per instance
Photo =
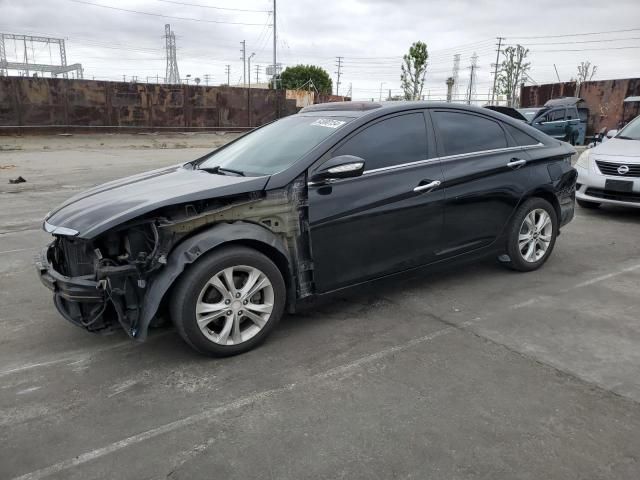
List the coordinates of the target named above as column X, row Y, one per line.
column 385, row 221
column 552, row 123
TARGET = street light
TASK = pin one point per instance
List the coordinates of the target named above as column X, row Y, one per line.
column 380, row 97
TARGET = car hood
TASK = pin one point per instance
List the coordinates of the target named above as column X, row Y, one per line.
column 95, row 211
column 616, row 147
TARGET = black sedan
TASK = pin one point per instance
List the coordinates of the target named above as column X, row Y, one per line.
column 336, row 195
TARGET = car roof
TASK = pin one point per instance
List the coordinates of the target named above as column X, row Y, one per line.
column 563, row 102
column 358, row 109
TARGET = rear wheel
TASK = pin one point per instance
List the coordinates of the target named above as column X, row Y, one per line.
column 531, row 235
column 587, row 204
column 228, row 301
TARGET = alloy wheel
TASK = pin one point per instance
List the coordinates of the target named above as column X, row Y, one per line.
column 535, row 235
column 234, row 305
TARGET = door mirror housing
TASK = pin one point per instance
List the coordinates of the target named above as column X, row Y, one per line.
column 342, row 166
column 612, row 133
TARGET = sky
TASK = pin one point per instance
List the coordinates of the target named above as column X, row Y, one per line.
column 370, row 35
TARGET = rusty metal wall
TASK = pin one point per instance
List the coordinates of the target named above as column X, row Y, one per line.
column 604, row 98
column 50, row 102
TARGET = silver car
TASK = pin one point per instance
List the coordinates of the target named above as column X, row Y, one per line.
column 610, row 172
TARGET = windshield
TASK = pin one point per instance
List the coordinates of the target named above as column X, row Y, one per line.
column 631, row 131
column 276, row 146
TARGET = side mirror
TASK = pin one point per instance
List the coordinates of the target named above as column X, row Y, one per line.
column 612, row 133
column 342, row 166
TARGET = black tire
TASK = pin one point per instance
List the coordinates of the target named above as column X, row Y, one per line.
column 516, row 260
column 187, row 291
column 587, row 204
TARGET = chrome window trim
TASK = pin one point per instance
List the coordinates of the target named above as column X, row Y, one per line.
column 453, row 157
column 434, row 159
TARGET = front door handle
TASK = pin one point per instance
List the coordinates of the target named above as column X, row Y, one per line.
column 428, row 186
column 516, row 163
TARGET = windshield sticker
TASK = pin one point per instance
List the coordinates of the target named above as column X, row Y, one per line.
column 325, row 122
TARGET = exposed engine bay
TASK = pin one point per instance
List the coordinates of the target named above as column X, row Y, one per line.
column 107, row 279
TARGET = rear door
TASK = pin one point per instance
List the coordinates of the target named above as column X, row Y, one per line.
column 387, row 220
column 485, row 177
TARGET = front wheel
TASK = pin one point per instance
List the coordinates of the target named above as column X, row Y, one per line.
column 531, row 235
column 228, row 301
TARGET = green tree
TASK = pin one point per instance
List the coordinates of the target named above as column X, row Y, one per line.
column 414, row 69
column 297, row 77
column 513, row 70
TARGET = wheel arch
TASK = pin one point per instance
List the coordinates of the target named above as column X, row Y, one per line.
column 549, row 196
column 192, row 248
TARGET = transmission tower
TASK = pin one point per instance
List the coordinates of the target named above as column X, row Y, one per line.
column 171, row 74
column 258, row 74
column 338, row 73
column 227, row 70
column 471, row 92
column 455, row 75
column 29, row 63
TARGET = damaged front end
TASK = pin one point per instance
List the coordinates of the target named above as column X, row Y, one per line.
column 101, row 283
column 121, row 277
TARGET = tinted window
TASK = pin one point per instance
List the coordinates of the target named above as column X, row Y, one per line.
column 519, row 136
column 555, row 115
column 393, row 141
column 464, row 133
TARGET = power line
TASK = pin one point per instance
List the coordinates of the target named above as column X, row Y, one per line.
column 164, row 16
column 582, row 34
column 588, row 49
column 213, row 7
column 600, row 40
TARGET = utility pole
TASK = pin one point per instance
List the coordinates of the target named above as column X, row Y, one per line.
column 339, row 64
column 275, row 59
column 249, row 67
column 206, row 79
column 557, row 75
column 257, row 74
column 380, row 96
column 228, row 71
column 495, row 71
column 244, row 62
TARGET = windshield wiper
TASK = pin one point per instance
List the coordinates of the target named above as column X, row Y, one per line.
column 624, row 137
column 222, row 171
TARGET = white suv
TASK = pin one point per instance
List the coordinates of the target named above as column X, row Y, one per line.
column 610, row 172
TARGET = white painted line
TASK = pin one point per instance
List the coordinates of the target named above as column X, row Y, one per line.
column 211, row 413
column 19, row 250
column 586, row 283
column 606, row 277
column 214, row 412
column 80, row 354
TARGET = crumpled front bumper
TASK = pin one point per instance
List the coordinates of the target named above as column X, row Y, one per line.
column 76, row 289
column 73, row 296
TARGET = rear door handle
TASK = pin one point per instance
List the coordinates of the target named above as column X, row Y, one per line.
column 428, row 186
column 516, row 163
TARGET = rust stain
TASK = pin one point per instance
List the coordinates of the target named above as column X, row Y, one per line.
column 604, row 98
column 28, row 101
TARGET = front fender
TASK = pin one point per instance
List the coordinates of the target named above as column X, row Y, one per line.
column 192, row 248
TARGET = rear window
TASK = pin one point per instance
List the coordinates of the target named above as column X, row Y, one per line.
column 519, row 136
